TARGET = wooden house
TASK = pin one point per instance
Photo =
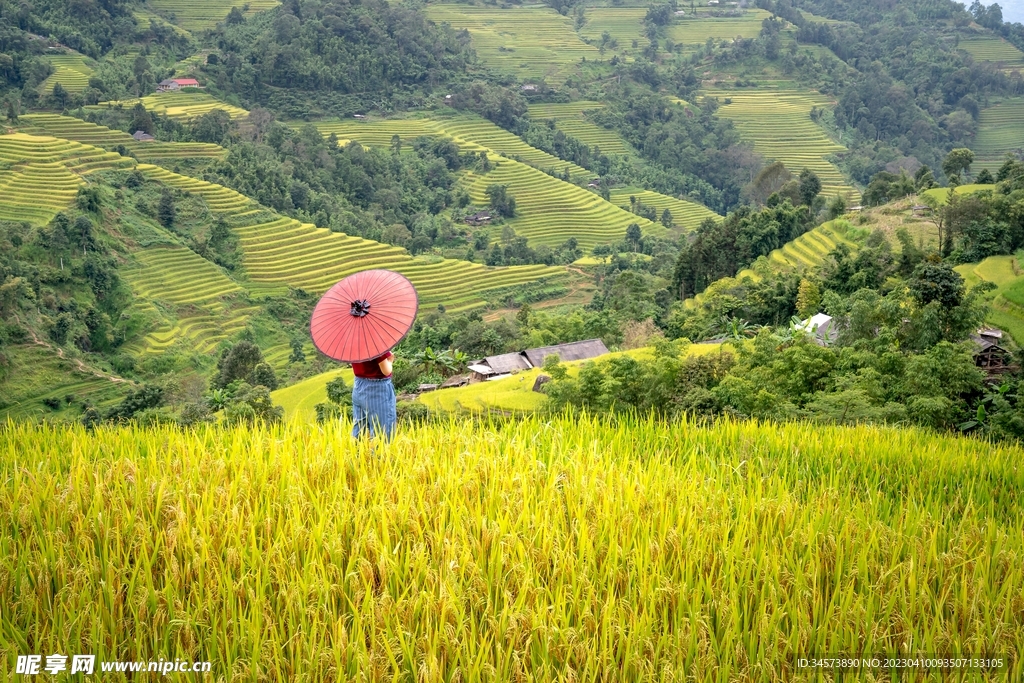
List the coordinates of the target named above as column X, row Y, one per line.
column 991, row 356
column 495, row 367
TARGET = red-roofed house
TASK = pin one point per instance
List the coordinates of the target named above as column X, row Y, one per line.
column 177, row 84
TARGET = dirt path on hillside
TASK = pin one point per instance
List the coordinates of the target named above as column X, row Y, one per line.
column 82, row 367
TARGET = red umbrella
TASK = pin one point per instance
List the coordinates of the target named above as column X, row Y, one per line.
column 364, row 315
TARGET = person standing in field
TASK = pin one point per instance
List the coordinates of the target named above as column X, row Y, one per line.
column 373, row 398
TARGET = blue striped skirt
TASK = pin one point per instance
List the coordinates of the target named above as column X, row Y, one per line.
column 373, row 407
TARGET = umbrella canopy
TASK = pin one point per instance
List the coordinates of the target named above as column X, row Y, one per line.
column 364, row 315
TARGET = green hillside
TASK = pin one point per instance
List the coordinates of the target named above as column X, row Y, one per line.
column 534, row 42
column 197, row 15
column 779, row 125
column 806, row 252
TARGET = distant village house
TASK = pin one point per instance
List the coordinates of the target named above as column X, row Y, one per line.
column 478, row 218
column 503, row 365
column 143, row 136
column 991, row 356
column 172, row 84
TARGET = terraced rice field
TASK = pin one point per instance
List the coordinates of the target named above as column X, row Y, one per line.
column 1000, row 130
column 550, row 211
column 470, row 133
column 70, row 128
column 697, row 31
column 70, row 70
column 685, row 214
column 197, row 15
column 1007, row 310
column 146, row 18
column 377, row 132
column 622, row 24
column 993, row 49
column 571, row 119
column 805, row 252
column 219, row 199
column 528, row 42
column 810, row 249
column 82, row 159
column 285, row 253
column 779, row 125
column 181, row 106
column 45, row 174
column 194, row 289
column 179, row 276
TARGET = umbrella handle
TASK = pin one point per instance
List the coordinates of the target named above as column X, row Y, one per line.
column 360, row 307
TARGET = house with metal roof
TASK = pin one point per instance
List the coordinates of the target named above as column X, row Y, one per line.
column 503, row 365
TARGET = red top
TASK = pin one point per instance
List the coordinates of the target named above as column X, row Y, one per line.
column 371, row 369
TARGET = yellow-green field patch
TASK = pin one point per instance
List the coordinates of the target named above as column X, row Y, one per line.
column 197, row 15
column 533, row 42
column 1000, row 131
column 779, row 125
column 71, row 70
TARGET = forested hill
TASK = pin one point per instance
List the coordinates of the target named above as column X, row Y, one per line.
column 601, row 161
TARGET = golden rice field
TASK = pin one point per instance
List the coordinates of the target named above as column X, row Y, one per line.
column 691, row 31
column 991, row 48
column 145, row 19
column 197, row 15
column 547, row 548
column 779, row 125
column 571, row 119
column 550, row 211
column 71, row 70
column 71, row 128
column 179, row 105
column 685, row 214
column 470, row 133
column 218, row 199
column 44, row 174
column 191, row 291
column 1000, row 130
column 622, row 24
column 533, row 42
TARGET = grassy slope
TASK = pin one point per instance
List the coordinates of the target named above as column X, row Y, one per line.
column 548, row 548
